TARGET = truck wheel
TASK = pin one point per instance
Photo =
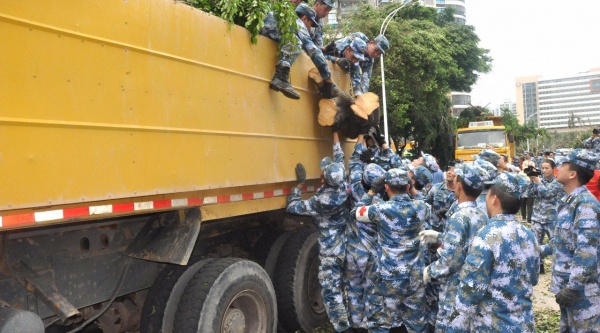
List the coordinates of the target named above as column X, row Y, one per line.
column 228, row 295
column 297, row 286
column 164, row 295
column 263, row 245
column 271, row 261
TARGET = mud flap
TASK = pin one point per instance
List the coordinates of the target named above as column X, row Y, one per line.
column 167, row 237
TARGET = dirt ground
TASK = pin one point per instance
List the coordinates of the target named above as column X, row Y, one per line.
column 543, row 299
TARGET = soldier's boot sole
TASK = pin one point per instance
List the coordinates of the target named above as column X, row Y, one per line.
column 285, row 88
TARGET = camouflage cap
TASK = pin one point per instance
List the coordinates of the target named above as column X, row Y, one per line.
column 507, row 183
column 422, row 175
column 334, row 174
column 308, row 11
column 382, row 43
column 490, row 156
column 359, row 47
column 371, row 172
column 583, row 158
column 488, row 167
column 472, row 175
column 330, row 3
column 325, row 162
column 397, row 177
column 430, row 162
column 361, row 36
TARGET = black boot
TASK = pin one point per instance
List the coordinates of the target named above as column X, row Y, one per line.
column 542, row 270
column 281, row 82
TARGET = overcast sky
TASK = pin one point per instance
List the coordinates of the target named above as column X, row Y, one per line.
column 533, row 37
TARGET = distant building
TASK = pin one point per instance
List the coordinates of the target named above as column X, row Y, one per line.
column 559, row 102
column 507, row 104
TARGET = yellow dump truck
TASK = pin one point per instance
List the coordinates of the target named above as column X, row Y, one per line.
column 478, row 135
column 145, row 169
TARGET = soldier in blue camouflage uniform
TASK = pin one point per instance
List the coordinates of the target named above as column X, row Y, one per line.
column 462, row 226
column 593, row 142
column 398, row 289
column 440, row 197
column 346, row 53
column 322, row 8
column 500, row 270
column 307, row 19
column 546, row 191
column 421, row 177
column 576, row 265
column 360, row 74
column 330, row 211
column 361, row 239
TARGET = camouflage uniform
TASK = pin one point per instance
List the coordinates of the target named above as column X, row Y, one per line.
column 440, row 198
column 492, row 171
column 498, row 275
column 290, row 52
column 576, row 262
column 544, row 207
column 330, row 211
column 361, row 243
column 592, row 143
column 398, row 288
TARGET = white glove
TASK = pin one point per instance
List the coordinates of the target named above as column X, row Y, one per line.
column 426, row 275
column 429, row 237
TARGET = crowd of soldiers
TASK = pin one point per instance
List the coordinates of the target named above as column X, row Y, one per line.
column 452, row 257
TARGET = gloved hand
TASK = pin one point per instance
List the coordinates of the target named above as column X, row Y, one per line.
column 378, row 184
column 326, row 89
column 367, row 156
column 344, row 63
column 379, row 137
column 429, row 237
column 441, row 214
column 426, row 275
column 567, row 297
column 300, row 173
column 329, row 47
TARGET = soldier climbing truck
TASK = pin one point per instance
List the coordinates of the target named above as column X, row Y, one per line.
column 145, row 169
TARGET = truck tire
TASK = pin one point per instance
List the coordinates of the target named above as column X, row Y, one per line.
column 164, row 295
column 271, row 262
column 297, row 286
column 263, row 245
column 228, row 295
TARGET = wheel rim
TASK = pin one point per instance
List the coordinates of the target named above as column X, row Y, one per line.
column 314, row 288
column 246, row 313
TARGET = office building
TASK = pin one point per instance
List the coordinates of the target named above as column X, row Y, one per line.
column 559, row 103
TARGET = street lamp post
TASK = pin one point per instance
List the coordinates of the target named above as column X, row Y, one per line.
column 382, row 30
column 525, row 123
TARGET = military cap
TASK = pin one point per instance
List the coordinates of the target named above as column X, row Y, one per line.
column 422, row 175
column 488, row 167
column 547, row 151
column 330, row 3
column 507, row 183
column 308, row 11
column 359, row 47
column 371, row 172
column 583, row 158
column 361, row 36
column 430, row 162
column 325, row 162
column 382, row 43
column 490, row 156
column 472, row 175
column 397, row 177
column 334, row 174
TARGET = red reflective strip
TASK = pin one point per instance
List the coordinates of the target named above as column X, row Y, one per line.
column 18, row 219
column 304, row 188
column 162, row 204
column 76, row 212
column 195, row 201
column 287, row 190
column 269, row 194
column 126, row 207
column 247, row 196
column 223, row 199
